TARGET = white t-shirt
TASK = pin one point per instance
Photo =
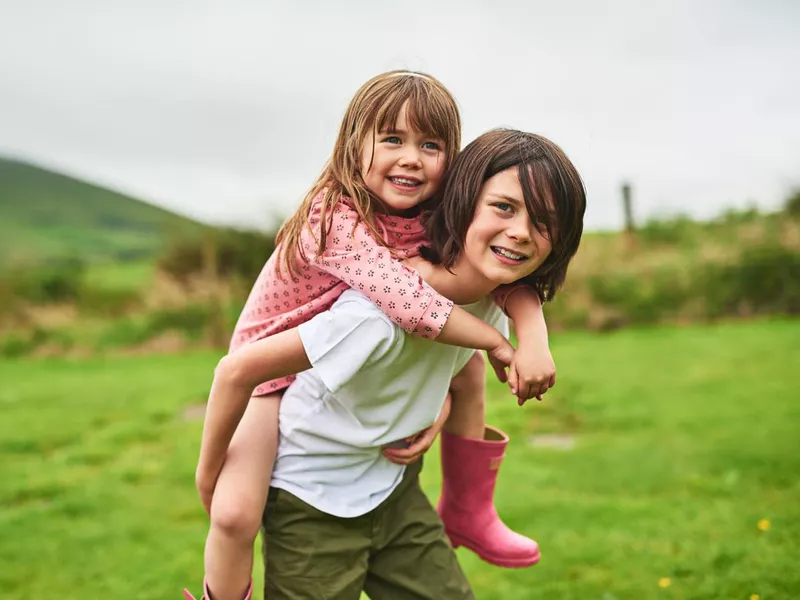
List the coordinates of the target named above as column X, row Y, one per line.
column 370, row 384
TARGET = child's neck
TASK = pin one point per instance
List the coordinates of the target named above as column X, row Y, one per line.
column 382, row 208
column 460, row 284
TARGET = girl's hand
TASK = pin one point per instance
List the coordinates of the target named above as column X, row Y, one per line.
column 532, row 372
column 421, row 442
column 205, row 480
column 500, row 357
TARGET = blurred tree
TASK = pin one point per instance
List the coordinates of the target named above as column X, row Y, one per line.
column 793, row 203
column 230, row 253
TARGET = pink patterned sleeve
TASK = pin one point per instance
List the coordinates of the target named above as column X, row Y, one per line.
column 353, row 256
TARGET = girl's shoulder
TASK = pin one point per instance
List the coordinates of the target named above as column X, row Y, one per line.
column 344, row 226
column 342, row 205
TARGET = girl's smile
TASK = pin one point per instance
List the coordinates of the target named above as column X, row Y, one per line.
column 402, row 166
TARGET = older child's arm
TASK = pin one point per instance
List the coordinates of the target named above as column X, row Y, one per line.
column 352, row 255
column 532, row 372
column 235, row 377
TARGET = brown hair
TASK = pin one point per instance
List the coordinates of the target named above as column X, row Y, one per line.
column 375, row 106
column 549, row 181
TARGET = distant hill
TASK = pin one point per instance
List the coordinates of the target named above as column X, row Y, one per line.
column 46, row 215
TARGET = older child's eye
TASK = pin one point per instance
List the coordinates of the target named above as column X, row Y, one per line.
column 503, row 206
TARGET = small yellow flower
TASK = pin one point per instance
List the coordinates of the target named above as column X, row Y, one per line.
column 664, row 582
column 755, row 597
column 763, row 525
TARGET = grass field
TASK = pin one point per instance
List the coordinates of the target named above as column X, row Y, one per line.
column 683, row 482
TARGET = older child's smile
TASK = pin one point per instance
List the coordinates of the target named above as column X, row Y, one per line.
column 507, row 256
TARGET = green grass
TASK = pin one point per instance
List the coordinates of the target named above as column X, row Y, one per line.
column 685, row 439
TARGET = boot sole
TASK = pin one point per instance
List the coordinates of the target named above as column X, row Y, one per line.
column 508, row 563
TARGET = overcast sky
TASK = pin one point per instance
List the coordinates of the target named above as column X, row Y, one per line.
column 226, row 111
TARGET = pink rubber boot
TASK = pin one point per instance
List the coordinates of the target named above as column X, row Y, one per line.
column 469, row 473
column 207, row 595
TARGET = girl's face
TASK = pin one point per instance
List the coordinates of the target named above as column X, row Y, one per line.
column 503, row 244
column 403, row 167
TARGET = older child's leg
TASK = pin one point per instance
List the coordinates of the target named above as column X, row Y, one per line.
column 471, row 457
column 239, row 500
column 468, row 409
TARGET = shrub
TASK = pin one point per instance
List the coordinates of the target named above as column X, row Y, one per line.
column 191, row 321
column 669, row 231
column 110, row 302
column 764, row 279
column 733, row 216
column 236, row 254
column 646, row 298
column 19, row 343
column 58, row 281
column 793, row 203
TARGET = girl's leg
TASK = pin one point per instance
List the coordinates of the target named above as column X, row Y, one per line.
column 239, row 499
column 471, row 457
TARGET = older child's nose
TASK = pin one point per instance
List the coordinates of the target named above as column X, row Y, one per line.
column 520, row 230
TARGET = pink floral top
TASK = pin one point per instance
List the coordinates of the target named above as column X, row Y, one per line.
column 352, row 259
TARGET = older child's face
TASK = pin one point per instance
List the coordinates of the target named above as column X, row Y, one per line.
column 502, row 243
column 406, row 165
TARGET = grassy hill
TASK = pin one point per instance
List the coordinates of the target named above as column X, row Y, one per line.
column 45, row 215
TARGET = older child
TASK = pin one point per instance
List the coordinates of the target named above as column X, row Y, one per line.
column 340, row 517
column 399, row 134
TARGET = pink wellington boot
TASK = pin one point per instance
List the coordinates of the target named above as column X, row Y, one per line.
column 207, row 595
column 466, row 506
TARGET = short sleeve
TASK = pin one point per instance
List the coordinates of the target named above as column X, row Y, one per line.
column 350, row 336
column 499, row 320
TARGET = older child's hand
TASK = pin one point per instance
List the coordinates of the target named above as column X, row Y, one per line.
column 532, row 372
column 421, row 442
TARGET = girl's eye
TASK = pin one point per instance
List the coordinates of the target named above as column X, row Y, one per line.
column 392, row 139
column 430, row 146
column 503, row 206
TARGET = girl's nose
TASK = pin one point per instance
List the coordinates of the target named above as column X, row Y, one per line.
column 410, row 157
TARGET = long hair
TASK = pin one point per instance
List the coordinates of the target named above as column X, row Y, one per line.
column 551, row 186
column 431, row 109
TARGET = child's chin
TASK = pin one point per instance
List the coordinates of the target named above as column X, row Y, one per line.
column 513, row 277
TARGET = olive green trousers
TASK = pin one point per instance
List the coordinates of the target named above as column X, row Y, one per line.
column 397, row 551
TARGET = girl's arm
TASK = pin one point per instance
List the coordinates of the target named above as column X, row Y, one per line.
column 353, row 256
column 532, row 372
column 235, row 378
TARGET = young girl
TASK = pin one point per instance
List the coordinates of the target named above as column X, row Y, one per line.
column 340, row 518
column 399, row 134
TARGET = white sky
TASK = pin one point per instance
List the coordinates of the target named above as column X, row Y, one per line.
column 226, row 111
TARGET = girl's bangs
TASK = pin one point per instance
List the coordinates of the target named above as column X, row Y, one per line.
column 428, row 112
